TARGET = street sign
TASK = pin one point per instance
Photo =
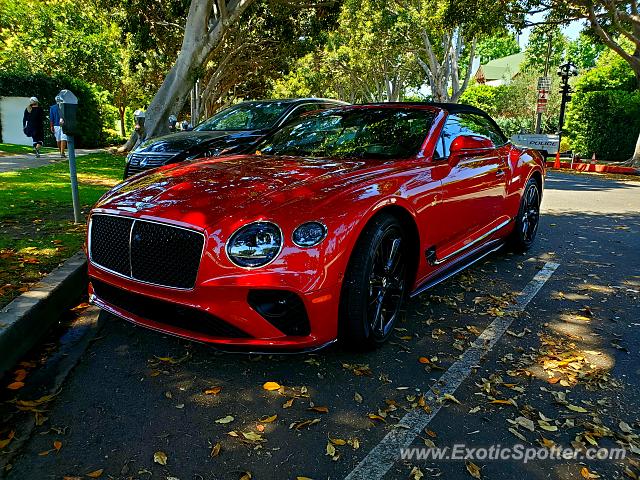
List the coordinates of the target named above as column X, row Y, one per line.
column 544, row 83
column 547, row 143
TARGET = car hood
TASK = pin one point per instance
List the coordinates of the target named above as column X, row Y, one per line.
column 184, row 141
column 206, row 192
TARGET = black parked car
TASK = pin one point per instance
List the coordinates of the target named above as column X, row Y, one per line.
column 234, row 130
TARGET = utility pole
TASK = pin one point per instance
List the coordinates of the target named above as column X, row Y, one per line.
column 546, row 75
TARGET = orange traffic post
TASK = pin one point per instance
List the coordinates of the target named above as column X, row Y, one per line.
column 556, row 165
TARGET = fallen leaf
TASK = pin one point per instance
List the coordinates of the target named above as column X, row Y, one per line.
column 518, row 434
column 331, row 450
column 215, row 450
column 451, row 398
column 95, row 473
column 473, row 469
column 213, row 391
column 57, row 445
column 416, row 474
column 337, row 441
column 15, row 385
column 268, row 419
column 252, row 436
column 299, row 425
column 227, row 419
column 4, row 443
column 424, row 360
column 288, row 403
column 21, row 374
column 246, row 476
column 319, row 409
column 576, row 408
column 357, row 397
column 160, row 457
column 373, row 416
column 625, row 427
column 270, row 386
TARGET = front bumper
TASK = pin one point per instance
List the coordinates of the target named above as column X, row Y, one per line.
column 196, row 314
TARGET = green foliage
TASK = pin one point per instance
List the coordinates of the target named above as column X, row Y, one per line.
column 611, row 72
column 61, row 37
column 605, row 122
column 90, row 100
column 497, row 46
column 492, row 100
column 585, row 50
column 537, row 48
column 514, row 105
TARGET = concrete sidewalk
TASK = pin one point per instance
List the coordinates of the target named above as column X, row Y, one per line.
column 10, row 163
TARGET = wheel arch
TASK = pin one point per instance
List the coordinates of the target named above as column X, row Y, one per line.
column 408, row 222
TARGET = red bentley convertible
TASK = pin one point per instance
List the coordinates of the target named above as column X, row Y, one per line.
column 321, row 234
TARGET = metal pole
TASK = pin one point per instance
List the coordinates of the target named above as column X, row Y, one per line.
column 74, row 179
column 546, row 74
column 563, row 104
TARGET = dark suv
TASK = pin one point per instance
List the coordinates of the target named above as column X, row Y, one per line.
column 234, row 130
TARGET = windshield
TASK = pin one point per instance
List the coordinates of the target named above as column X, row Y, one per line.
column 245, row 116
column 384, row 133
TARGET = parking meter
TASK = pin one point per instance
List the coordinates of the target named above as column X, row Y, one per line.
column 68, row 106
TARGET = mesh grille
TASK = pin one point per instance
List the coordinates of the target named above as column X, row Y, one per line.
column 165, row 255
column 166, row 313
column 160, row 254
column 140, row 162
column 110, row 243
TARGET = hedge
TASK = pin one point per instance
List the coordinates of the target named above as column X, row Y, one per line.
column 606, row 123
column 46, row 88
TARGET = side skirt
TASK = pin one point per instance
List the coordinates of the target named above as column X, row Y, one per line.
column 460, row 265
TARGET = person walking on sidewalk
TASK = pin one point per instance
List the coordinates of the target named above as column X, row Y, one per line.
column 56, row 129
column 32, row 124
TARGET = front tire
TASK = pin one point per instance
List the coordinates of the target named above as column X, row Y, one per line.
column 375, row 284
column 526, row 227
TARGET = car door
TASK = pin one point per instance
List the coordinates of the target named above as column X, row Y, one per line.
column 472, row 190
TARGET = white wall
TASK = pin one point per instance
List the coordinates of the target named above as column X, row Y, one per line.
column 11, row 111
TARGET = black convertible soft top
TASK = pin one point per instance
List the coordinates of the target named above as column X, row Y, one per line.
column 452, row 108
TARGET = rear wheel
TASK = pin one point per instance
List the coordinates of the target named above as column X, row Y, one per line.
column 375, row 285
column 526, row 226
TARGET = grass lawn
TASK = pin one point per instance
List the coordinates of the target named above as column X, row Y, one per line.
column 13, row 149
column 37, row 231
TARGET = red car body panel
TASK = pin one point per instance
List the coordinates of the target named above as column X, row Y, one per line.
column 451, row 205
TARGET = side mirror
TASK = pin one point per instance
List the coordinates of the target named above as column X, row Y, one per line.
column 467, row 145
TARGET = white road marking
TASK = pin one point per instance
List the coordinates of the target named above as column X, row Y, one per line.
column 379, row 460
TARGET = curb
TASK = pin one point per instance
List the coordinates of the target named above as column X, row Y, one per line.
column 596, row 168
column 28, row 318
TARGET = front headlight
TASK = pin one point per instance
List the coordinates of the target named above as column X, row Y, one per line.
column 255, row 245
column 309, row 234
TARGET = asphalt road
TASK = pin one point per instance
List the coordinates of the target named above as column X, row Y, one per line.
column 566, row 370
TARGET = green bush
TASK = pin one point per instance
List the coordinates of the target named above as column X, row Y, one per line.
column 90, row 116
column 488, row 98
column 606, row 123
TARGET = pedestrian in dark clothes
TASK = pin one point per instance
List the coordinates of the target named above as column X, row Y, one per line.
column 32, row 124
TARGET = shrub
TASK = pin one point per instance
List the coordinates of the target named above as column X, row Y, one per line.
column 13, row 84
column 606, row 123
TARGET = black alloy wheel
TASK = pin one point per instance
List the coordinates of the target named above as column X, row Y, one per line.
column 375, row 285
column 528, row 218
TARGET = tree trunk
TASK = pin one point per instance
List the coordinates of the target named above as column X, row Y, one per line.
column 207, row 22
column 121, row 111
column 634, row 161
